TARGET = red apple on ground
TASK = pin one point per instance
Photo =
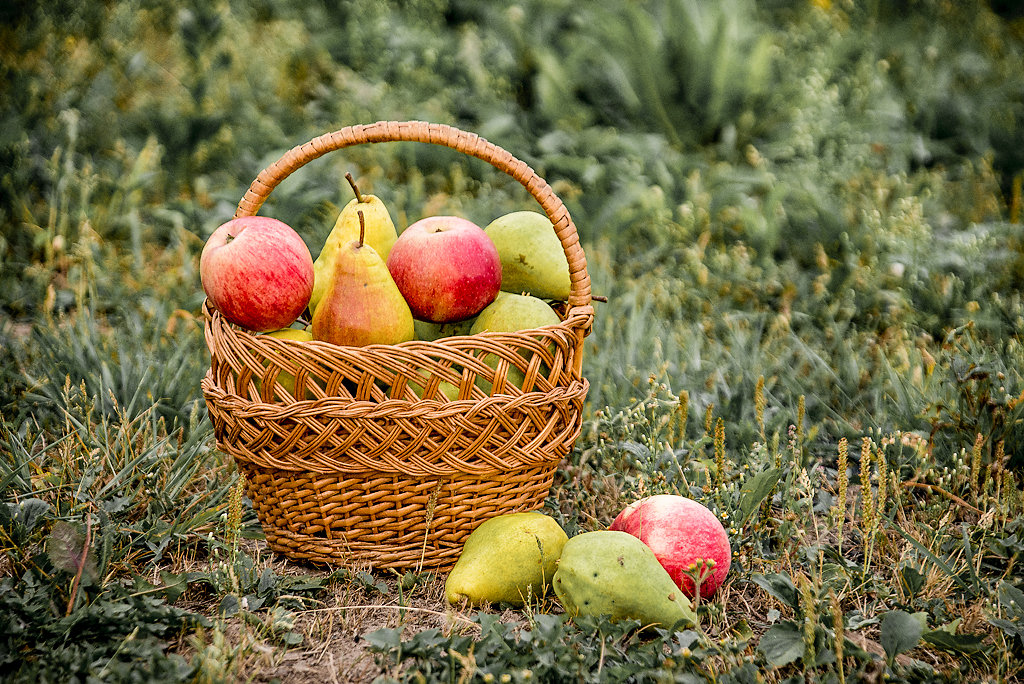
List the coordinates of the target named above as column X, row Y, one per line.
column 446, row 267
column 681, row 532
column 257, row 272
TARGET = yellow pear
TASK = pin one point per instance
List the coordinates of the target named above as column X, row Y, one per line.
column 507, row 559
column 532, row 258
column 362, row 304
column 380, row 233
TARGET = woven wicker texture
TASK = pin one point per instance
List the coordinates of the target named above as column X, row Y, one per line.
column 390, row 455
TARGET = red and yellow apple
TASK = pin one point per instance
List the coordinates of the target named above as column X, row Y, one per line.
column 446, row 268
column 685, row 536
column 257, row 272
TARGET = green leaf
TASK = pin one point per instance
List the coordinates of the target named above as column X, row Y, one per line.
column 1011, row 601
column 384, row 640
column 911, row 580
column 782, row 643
column 957, row 643
column 174, row 584
column 292, row 638
column 780, row 586
column 900, row 632
column 66, row 549
column 32, row 511
column 754, row 491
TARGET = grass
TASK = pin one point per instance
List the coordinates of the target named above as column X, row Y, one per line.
column 810, row 245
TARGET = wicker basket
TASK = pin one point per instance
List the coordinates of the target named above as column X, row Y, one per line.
column 355, row 456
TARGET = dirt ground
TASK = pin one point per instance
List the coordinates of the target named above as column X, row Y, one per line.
column 332, row 650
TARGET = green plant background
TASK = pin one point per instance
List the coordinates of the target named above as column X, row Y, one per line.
column 805, row 216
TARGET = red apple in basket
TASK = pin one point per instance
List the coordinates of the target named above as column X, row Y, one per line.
column 447, row 268
column 257, row 272
column 685, row 536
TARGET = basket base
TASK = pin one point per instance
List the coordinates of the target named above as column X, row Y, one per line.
column 385, row 521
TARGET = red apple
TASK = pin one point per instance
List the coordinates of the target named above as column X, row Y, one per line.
column 257, row 272
column 681, row 532
column 446, row 267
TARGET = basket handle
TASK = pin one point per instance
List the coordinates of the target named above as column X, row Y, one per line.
column 437, row 134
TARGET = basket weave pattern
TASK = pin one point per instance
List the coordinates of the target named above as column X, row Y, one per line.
column 390, row 455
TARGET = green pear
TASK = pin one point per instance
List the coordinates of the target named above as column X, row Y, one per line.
column 380, row 233
column 362, row 304
column 511, row 312
column 421, row 387
column 532, row 258
column 614, row 573
column 507, row 559
column 287, row 380
column 428, row 331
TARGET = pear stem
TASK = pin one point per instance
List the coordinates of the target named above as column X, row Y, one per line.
column 355, row 188
column 362, row 227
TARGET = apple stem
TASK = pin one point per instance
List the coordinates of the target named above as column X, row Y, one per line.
column 362, row 227
column 355, row 188
column 229, row 238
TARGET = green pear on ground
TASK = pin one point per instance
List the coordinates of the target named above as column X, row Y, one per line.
column 380, row 233
column 362, row 304
column 613, row 573
column 532, row 258
column 508, row 559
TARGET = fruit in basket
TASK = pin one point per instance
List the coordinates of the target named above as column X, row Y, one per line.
column 512, row 312
column 287, row 380
column 686, row 537
column 428, row 331
column 532, row 258
column 362, row 304
column 446, row 268
column 380, row 234
column 508, row 559
column 257, row 272
column 421, row 387
column 615, row 574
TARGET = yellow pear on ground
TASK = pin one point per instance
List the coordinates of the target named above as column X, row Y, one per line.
column 507, row 559
column 532, row 258
column 380, row 233
column 362, row 304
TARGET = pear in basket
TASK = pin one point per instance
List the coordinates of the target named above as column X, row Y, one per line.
column 287, row 380
column 362, row 304
column 532, row 258
column 380, row 234
column 510, row 313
